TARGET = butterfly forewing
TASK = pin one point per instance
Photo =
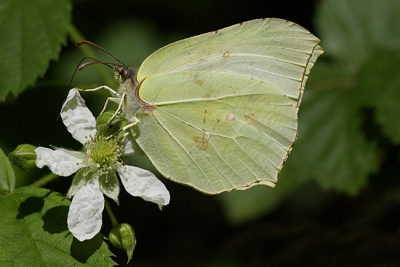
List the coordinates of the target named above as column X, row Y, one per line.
column 273, row 50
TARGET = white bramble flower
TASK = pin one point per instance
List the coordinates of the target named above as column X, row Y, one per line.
column 96, row 169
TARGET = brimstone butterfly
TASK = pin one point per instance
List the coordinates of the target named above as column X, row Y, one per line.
column 218, row 111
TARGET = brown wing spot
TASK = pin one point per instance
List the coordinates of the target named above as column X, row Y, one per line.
column 250, row 119
column 226, row 55
column 230, row 116
column 201, row 143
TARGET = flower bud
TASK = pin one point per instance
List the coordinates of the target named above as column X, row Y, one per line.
column 24, row 157
column 107, row 126
column 123, row 237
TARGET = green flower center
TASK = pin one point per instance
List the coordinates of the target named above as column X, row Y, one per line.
column 102, row 155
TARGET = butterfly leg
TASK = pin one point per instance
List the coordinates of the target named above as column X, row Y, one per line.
column 112, row 91
column 115, row 97
column 120, row 100
column 133, row 121
column 115, row 100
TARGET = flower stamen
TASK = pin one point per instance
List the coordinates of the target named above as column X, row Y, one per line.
column 102, row 155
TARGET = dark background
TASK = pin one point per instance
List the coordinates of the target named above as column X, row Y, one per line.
column 189, row 17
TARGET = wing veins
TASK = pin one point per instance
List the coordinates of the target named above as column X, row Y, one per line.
column 172, row 102
column 226, row 163
column 237, row 135
column 184, row 149
column 249, row 155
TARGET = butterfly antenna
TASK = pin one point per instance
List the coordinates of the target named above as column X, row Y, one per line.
column 108, row 64
column 101, row 48
column 95, row 61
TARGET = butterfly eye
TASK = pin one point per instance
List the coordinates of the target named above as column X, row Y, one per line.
column 120, row 74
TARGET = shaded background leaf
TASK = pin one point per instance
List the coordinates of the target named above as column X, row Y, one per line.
column 379, row 83
column 331, row 146
column 351, row 30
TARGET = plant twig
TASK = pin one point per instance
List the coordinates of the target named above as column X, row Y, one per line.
column 114, row 221
column 44, row 180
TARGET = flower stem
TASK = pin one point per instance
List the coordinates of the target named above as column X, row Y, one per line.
column 44, row 180
column 114, row 221
column 75, row 37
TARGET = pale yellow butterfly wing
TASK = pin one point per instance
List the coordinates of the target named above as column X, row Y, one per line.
column 222, row 107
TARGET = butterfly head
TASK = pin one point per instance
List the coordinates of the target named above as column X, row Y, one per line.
column 123, row 73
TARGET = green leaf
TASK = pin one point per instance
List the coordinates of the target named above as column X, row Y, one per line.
column 34, row 232
column 7, row 176
column 380, row 84
column 331, row 146
column 351, row 29
column 32, row 33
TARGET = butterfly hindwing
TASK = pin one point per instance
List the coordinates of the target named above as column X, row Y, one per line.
column 216, row 131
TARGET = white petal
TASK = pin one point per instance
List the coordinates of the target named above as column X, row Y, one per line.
column 58, row 161
column 144, row 184
column 84, row 216
column 109, row 185
column 78, row 119
column 81, row 177
column 131, row 148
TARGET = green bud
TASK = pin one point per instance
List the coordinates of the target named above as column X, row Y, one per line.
column 24, row 157
column 106, row 126
column 123, row 237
